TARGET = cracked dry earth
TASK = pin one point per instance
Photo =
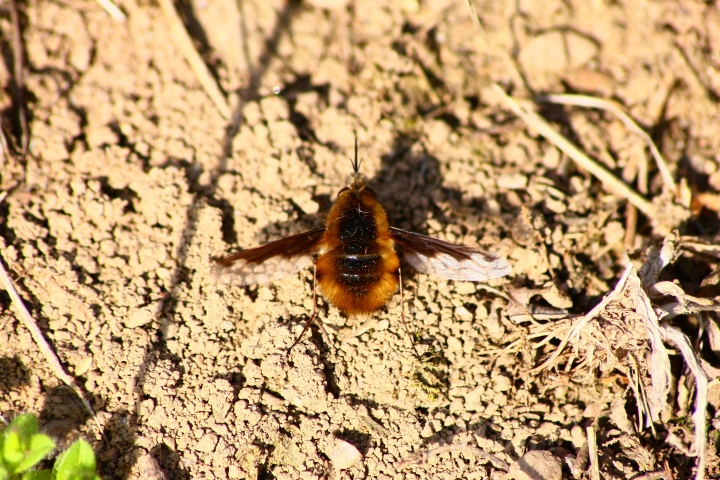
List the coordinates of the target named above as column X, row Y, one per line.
column 135, row 182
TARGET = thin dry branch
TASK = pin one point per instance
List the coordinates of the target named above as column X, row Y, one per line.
column 617, row 110
column 675, row 309
column 5, row 145
column 45, row 348
column 659, row 361
column 593, row 453
column 112, row 10
column 611, row 182
column 186, row 46
column 677, row 338
column 535, row 121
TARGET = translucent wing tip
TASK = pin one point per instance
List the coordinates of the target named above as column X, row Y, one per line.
column 499, row 268
column 485, row 266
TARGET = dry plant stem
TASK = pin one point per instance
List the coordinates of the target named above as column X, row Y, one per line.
column 37, row 335
column 112, row 10
column 608, row 179
column 494, row 351
column 631, row 218
column 657, row 260
column 497, row 292
column 613, row 107
column 659, row 363
column 677, row 338
column 675, row 309
column 185, row 44
column 5, row 147
column 582, row 321
column 422, row 457
column 593, row 452
column 19, row 74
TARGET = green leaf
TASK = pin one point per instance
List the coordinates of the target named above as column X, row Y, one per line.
column 39, row 446
column 75, row 463
column 12, row 453
column 20, row 450
column 26, row 425
column 37, row 475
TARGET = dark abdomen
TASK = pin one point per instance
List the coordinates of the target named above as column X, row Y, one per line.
column 358, row 271
column 358, row 262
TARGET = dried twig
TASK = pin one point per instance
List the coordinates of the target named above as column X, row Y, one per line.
column 675, row 309
column 657, row 260
column 615, row 108
column 593, row 453
column 658, row 362
column 45, row 348
column 5, row 145
column 613, row 184
column 185, row 44
column 112, row 10
column 677, row 338
column 535, row 121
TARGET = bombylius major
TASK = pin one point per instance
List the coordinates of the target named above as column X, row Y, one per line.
column 356, row 263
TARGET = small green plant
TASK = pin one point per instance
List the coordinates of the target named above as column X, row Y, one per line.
column 22, row 447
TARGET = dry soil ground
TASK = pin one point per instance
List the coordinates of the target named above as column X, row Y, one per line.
column 134, row 181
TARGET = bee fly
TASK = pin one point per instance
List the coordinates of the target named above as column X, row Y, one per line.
column 356, row 264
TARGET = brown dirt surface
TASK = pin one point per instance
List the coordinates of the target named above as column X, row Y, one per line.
column 134, row 183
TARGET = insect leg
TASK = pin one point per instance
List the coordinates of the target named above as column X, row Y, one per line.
column 314, row 314
column 402, row 313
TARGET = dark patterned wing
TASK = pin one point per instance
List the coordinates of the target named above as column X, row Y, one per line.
column 448, row 260
column 269, row 262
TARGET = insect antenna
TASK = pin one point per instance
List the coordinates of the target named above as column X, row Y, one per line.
column 356, row 163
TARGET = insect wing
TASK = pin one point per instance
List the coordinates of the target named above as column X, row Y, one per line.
column 448, row 260
column 269, row 262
